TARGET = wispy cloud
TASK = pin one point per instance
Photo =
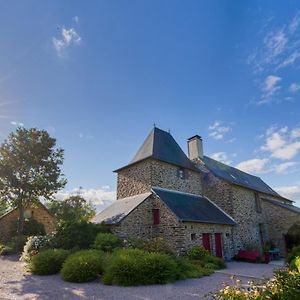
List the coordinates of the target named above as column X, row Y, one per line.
column 76, row 19
column 68, row 37
column 291, row 192
column 269, row 88
column 218, row 130
column 286, row 167
column 18, row 124
column 254, row 165
column 100, row 197
column 222, row 157
column 294, row 87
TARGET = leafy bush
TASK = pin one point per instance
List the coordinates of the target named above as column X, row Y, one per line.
column 216, row 261
column 135, row 243
column 157, row 245
column 77, row 234
column 293, row 253
column 31, row 227
column 34, row 245
column 48, row 261
column 83, row 266
column 15, row 245
column 107, row 242
column 6, row 250
column 284, row 286
column 295, row 264
column 137, row 267
column 197, row 253
column 189, row 269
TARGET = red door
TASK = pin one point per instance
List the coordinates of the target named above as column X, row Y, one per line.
column 218, row 241
column 206, row 241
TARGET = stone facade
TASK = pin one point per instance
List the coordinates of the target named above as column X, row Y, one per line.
column 40, row 213
column 140, row 177
column 139, row 223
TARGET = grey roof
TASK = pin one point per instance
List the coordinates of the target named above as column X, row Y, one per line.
column 238, row 177
column 160, row 145
column 193, row 208
column 284, row 205
column 119, row 209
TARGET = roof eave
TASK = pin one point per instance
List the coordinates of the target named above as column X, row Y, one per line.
column 208, row 222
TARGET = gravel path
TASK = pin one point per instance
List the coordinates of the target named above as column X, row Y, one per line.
column 17, row 284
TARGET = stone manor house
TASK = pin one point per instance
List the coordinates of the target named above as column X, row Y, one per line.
column 195, row 200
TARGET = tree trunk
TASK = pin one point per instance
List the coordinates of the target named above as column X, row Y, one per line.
column 21, row 222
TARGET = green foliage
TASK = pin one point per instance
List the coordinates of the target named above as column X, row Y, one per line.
column 197, row 253
column 190, row 269
column 137, row 267
column 79, row 235
column 74, row 208
column 83, row 266
column 34, row 245
column 293, row 253
column 31, row 227
column 292, row 237
column 15, row 245
column 107, row 242
column 216, row 261
column 295, row 264
column 6, row 250
column 29, row 169
column 48, row 262
column 158, row 245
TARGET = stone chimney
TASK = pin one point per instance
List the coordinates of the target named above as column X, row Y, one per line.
column 195, row 147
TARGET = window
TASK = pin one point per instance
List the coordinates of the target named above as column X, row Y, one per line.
column 257, row 203
column 181, row 173
column 193, row 236
column 155, row 215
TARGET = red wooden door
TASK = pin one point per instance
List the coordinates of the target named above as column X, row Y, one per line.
column 206, row 241
column 218, row 241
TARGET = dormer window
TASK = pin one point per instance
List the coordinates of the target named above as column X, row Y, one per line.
column 181, row 173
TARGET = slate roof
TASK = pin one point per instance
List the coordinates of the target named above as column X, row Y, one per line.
column 284, row 205
column 160, row 145
column 193, row 208
column 119, row 209
column 238, row 177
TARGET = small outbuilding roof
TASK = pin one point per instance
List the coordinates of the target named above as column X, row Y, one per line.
column 238, row 177
column 290, row 207
column 119, row 209
column 193, row 208
column 160, row 145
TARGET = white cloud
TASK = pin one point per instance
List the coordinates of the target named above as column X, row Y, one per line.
column 101, row 197
column 290, row 60
column 254, row 165
column 269, row 88
column 294, row 24
column 76, row 19
column 18, row 124
column 222, row 157
column 291, row 192
column 285, row 168
column 217, row 130
column 282, row 144
column 294, row 87
column 69, row 37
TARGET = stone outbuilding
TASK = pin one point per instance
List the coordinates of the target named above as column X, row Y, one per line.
column 38, row 212
column 195, row 200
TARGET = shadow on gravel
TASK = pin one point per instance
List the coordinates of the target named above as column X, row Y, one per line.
column 14, row 257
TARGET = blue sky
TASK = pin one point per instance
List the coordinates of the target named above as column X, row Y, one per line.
column 97, row 75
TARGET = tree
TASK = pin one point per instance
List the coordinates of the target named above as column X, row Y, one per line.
column 29, row 169
column 74, row 208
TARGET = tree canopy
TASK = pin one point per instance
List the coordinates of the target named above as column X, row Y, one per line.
column 29, row 168
column 74, row 209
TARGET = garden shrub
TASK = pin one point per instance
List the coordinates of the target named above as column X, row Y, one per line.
column 83, row 266
column 107, row 242
column 48, row 261
column 293, row 253
column 158, row 245
column 217, row 261
column 295, row 264
column 189, row 269
column 77, row 234
column 137, row 267
column 34, row 245
column 15, row 245
column 6, row 250
column 197, row 253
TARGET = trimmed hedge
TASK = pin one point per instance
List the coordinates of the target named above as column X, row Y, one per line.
column 138, row 267
column 48, row 261
column 83, row 266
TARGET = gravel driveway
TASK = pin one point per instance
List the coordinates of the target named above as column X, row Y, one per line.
column 17, row 284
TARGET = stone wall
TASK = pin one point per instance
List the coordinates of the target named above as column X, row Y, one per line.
column 278, row 220
column 140, row 177
column 38, row 213
column 139, row 224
